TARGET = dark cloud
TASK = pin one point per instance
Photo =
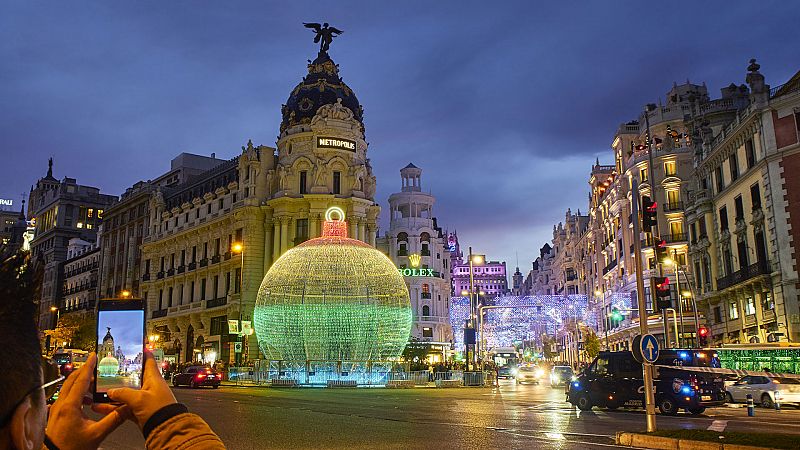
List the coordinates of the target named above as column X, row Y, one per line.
column 505, row 107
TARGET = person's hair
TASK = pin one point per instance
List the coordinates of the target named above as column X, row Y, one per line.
column 20, row 365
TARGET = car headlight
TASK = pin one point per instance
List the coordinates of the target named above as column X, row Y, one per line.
column 555, row 379
column 539, row 373
column 513, row 371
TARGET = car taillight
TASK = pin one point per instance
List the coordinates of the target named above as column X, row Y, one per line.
column 68, row 366
column 201, row 375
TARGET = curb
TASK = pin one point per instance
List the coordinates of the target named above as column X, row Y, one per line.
column 638, row 440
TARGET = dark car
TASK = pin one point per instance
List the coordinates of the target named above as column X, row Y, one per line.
column 506, row 371
column 197, row 376
column 614, row 380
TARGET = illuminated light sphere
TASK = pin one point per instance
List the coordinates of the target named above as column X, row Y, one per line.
column 330, row 299
column 108, row 367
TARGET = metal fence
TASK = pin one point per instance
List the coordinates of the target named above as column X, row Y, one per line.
column 318, row 373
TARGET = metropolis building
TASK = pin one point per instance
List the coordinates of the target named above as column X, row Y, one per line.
column 266, row 199
column 418, row 247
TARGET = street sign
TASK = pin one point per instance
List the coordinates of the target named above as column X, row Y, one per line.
column 648, row 348
column 237, row 347
column 233, row 326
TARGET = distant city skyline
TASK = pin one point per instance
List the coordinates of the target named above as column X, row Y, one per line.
column 504, row 115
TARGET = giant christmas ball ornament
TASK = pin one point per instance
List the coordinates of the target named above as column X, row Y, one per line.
column 108, row 366
column 333, row 299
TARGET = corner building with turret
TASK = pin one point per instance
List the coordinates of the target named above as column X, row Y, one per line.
column 267, row 199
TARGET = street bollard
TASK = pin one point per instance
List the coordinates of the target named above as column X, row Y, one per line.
column 777, row 402
column 751, row 407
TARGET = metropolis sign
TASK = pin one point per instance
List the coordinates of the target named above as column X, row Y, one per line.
column 337, row 143
column 6, row 202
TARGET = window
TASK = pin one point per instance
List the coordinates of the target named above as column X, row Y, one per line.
column 426, row 311
column 217, row 246
column 734, row 166
column 749, row 305
column 227, row 282
column 755, row 196
column 720, row 180
column 733, row 310
column 767, row 304
column 219, row 325
column 723, row 218
column 750, row 151
column 337, row 182
column 237, row 280
column 303, row 175
column 643, row 174
column 301, row 231
column 676, row 230
column 673, row 200
column 191, row 293
column 215, row 292
column 717, row 314
column 194, row 253
column 160, row 299
column 427, row 332
column 221, row 204
column 738, row 207
column 600, row 366
column 203, row 289
column 669, row 169
column 169, row 299
column 205, row 250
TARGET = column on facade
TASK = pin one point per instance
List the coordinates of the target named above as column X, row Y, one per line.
column 313, row 225
column 276, row 238
column 361, row 229
column 268, row 244
column 284, row 234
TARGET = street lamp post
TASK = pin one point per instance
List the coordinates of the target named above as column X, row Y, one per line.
column 238, row 247
column 473, row 300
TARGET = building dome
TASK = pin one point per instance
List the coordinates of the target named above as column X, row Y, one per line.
column 333, row 299
column 108, row 366
column 322, row 86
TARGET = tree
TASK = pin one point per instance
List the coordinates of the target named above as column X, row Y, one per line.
column 591, row 344
column 77, row 330
column 415, row 353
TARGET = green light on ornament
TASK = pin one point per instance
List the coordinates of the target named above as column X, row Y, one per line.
column 333, row 299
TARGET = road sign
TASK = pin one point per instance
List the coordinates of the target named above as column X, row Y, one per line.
column 648, row 346
column 237, row 347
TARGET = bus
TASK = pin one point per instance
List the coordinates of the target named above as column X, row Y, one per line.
column 69, row 359
column 780, row 357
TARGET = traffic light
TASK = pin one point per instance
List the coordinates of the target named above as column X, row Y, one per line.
column 615, row 314
column 702, row 336
column 662, row 252
column 661, row 286
column 649, row 209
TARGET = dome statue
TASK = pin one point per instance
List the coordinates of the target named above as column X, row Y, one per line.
column 108, row 366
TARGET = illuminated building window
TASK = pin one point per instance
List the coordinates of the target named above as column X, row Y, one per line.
column 79, row 225
column 669, row 168
column 643, row 174
column 90, row 212
column 427, row 332
column 733, row 310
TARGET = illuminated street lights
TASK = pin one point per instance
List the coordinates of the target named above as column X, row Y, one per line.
column 153, row 339
column 125, row 294
column 473, row 300
column 238, row 247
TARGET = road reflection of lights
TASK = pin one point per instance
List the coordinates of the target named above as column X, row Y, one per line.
column 558, row 436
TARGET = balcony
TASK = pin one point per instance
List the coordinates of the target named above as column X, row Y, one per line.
column 425, row 252
column 159, row 313
column 222, row 301
column 203, row 262
column 160, row 275
column 402, row 252
column 227, row 255
column 192, row 265
column 215, row 259
column 751, row 271
column 610, row 267
column 750, row 320
column 171, row 272
column 425, row 295
column 146, row 276
column 673, row 206
column 675, row 238
column 181, row 269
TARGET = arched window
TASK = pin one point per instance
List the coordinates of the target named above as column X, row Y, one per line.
column 426, row 311
column 402, row 244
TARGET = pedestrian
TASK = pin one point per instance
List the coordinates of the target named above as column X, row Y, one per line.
column 27, row 381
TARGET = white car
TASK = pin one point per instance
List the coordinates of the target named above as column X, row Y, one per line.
column 765, row 390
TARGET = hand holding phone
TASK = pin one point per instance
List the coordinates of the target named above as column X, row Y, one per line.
column 120, row 346
column 154, row 394
column 67, row 425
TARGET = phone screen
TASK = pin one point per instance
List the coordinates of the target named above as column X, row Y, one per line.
column 120, row 342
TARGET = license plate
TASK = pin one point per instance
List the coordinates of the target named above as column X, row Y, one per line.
column 705, row 398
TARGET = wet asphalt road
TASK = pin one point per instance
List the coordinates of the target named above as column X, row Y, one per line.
column 512, row 416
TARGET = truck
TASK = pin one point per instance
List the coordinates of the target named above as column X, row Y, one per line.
column 615, row 380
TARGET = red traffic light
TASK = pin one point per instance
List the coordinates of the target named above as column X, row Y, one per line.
column 703, row 331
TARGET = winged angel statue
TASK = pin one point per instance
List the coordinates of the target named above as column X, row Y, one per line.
column 324, row 34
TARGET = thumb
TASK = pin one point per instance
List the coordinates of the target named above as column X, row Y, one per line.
column 123, row 395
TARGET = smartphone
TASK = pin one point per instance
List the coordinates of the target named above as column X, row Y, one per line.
column 120, row 346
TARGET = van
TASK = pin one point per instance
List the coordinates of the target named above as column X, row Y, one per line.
column 614, row 380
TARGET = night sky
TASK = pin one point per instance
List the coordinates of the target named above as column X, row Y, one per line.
column 503, row 105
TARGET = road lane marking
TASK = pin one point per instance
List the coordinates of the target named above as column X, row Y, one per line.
column 718, row 426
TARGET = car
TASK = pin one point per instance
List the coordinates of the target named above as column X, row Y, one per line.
column 614, row 380
column 561, row 375
column 506, row 371
column 197, row 376
column 765, row 390
column 529, row 374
